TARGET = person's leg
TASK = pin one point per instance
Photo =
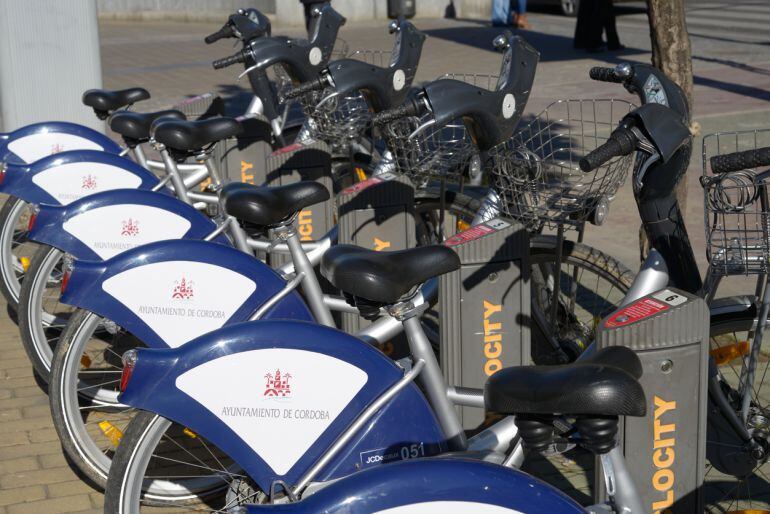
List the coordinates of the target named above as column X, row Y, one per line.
column 613, row 42
column 501, row 13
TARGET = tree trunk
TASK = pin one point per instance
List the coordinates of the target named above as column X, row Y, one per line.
column 671, row 53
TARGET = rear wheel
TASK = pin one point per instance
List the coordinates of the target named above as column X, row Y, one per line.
column 42, row 317
column 156, row 447
column 16, row 250
column 83, row 392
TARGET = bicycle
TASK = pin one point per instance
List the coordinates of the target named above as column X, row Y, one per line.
column 41, row 316
column 249, row 26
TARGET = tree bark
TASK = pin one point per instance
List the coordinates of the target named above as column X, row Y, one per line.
column 672, row 54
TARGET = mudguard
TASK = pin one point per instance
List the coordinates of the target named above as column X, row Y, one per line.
column 433, row 486
column 275, row 395
column 34, row 142
column 103, row 225
column 170, row 292
column 62, row 178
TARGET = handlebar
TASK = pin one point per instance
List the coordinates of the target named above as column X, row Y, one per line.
column 605, row 75
column 303, row 89
column 622, row 141
column 412, row 107
column 225, row 32
column 740, row 160
column 236, row 58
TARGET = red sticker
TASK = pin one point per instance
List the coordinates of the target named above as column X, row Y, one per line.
column 287, row 149
column 355, row 188
column 469, row 235
column 640, row 310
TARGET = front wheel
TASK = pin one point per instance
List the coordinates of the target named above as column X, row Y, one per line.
column 570, row 296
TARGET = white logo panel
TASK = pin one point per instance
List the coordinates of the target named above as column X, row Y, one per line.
column 449, row 507
column 36, row 146
column 111, row 230
column 278, row 400
column 74, row 180
column 181, row 300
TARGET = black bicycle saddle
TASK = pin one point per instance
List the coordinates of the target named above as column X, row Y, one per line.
column 104, row 101
column 267, row 206
column 594, row 386
column 192, row 136
column 385, row 276
column 135, row 126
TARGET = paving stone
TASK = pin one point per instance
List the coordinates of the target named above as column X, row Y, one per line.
column 68, row 504
column 21, row 494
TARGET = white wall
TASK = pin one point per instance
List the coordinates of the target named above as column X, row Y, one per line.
column 49, row 55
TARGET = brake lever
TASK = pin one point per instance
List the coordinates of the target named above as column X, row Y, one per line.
column 644, row 144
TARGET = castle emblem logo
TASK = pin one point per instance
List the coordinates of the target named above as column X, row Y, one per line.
column 183, row 289
column 277, row 385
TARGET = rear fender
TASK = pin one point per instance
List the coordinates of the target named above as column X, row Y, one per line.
column 102, row 225
column 34, row 142
column 68, row 176
column 275, row 395
column 433, row 486
column 170, row 292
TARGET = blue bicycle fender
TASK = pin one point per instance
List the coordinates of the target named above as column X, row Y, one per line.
column 68, row 176
column 170, row 292
column 34, row 142
column 275, row 395
column 102, row 225
column 434, row 486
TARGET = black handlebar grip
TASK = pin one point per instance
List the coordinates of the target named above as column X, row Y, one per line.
column 740, row 160
column 621, row 142
column 303, row 89
column 226, row 31
column 605, row 75
column 229, row 61
column 412, row 107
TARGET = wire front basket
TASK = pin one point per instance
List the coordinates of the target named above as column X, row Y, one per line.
column 436, row 152
column 736, row 207
column 536, row 173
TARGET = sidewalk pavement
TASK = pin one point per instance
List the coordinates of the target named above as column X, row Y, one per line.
column 732, row 89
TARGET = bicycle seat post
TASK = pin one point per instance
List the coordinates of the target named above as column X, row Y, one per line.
column 173, row 171
column 287, row 232
column 408, row 313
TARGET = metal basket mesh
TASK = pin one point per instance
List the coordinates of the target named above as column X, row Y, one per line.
column 736, row 207
column 437, row 152
column 536, row 173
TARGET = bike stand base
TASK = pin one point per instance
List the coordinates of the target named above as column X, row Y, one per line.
column 485, row 307
column 666, row 449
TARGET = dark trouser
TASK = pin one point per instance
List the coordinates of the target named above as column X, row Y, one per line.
column 595, row 17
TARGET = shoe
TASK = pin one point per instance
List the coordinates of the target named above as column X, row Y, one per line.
column 520, row 21
column 596, row 49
